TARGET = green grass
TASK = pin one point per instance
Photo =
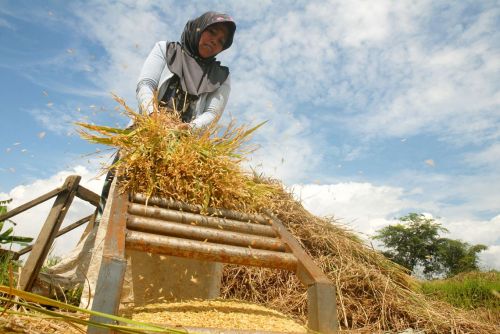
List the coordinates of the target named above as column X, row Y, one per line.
column 468, row 291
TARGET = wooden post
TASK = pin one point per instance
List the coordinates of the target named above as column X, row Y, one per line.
column 112, row 271
column 48, row 233
column 321, row 308
column 322, row 312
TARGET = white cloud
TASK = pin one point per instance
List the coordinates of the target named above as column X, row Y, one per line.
column 449, row 88
column 475, row 231
column 364, row 206
column 487, row 157
column 367, row 207
column 490, row 258
column 5, row 24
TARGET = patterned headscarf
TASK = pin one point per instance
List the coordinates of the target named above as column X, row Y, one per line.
column 198, row 75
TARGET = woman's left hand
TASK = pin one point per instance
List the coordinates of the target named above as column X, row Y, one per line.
column 184, row 126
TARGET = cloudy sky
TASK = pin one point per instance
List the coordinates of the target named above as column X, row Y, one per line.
column 375, row 108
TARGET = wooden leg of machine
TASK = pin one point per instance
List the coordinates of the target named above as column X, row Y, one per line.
column 108, row 291
column 322, row 313
column 112, row 271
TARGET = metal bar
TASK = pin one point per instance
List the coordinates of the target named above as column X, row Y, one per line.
column 321, row 308
column 61, row 232
column 160, row 244
column 307, row 271
column 48, row 233
column 156, row 226
column 88, row 195
column 199, row 220
column 221, row 213
column 31, row 203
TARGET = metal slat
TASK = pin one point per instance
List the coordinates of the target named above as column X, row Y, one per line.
column 156, row 226
column 160, row 244
column 199, row 220
column 221, row 213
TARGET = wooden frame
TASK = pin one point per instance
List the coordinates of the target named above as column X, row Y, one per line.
column 165, row 229
column 51, row 228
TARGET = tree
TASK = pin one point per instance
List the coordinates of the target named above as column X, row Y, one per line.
column 457, row 256
column 416, row 243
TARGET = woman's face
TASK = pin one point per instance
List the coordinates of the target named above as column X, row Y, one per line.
column 212, row 40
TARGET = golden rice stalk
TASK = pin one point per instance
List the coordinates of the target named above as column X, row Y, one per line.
column 158, row 158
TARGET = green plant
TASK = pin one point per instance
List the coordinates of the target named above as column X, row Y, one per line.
column 468, row 291
column 416, row 243
column 6, row 236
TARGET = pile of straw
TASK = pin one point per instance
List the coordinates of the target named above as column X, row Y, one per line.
column 373, row 294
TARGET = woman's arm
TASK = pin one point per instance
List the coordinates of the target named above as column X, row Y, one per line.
column 150, row 76
column 216, row 102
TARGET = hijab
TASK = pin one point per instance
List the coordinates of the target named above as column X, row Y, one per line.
column 198, row 75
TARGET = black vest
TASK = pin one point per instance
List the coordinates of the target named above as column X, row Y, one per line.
column 178, row 100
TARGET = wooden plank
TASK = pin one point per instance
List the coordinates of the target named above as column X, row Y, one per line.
column 321, row 308
column 31, row 203
column 161, row 244
column 180, row 206
column 199, row 220
column 157, row 226
column 61, row 232
column 88, row 195
column 114, row 241
column 108, row 291
column 48, row 233
column 307, row 271
column 111, row 273
column 90, row 225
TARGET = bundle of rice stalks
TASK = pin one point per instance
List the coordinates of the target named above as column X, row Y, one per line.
column 373, row 293
column 158, row 157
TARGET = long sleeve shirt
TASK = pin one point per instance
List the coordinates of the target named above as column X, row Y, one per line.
column 154, row 76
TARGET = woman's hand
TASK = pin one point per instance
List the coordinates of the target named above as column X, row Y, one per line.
column 184, row 126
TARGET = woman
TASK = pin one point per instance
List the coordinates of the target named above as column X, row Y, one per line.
column 186, row 75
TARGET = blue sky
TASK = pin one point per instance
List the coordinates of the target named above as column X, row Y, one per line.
column 375, row 108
